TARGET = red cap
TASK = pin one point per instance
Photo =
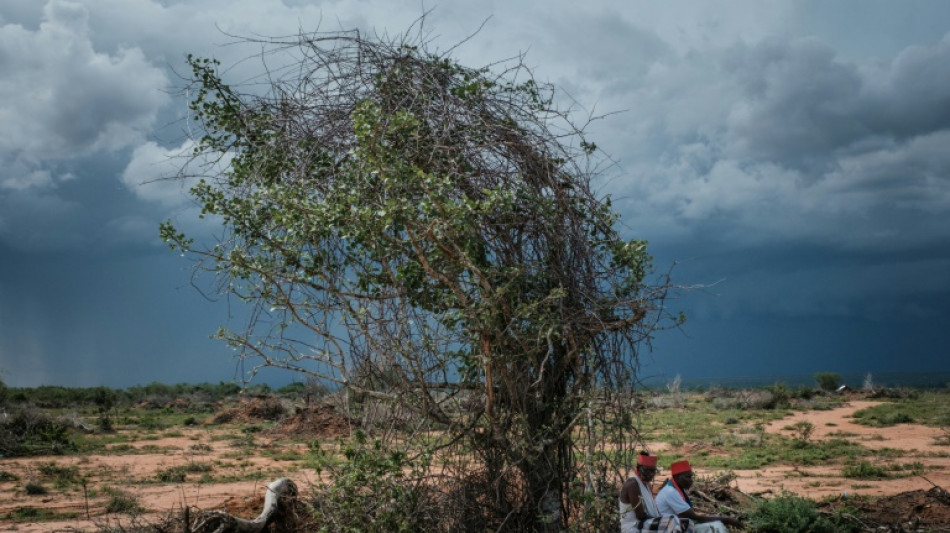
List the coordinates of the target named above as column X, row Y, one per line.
column 679, row 467
column 646, row 460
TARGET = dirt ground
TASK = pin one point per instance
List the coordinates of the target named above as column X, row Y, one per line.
column 134, row 471
column 917, row 441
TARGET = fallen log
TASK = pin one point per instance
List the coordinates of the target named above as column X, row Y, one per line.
column 279, row 504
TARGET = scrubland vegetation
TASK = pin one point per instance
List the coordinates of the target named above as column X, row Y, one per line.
column 367, row 486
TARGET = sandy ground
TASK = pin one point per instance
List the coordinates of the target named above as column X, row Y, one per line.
column 917, row 441
column 135, row 473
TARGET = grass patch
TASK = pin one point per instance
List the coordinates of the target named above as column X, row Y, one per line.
column 790, row 514
column 33, row 514
column 842, row 434
column 929, row 408
column 778, row 449
column 62, row 476
column 122, row 502
column 907, row 469
column 700, row 421
column 285, row 455
column 33, row 488
column 864, row 470
column 178, row 474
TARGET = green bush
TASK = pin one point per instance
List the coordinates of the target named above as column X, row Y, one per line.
column 25, row 513
column 864, row 470
column 30, row 433
column 35, row 489
column 174, row 474
column 897, row 418
column 781, row 397
column 123, row 503
column 62, row 476
column 788, row 514
column 827, row 381
column 802, row 431
column 368, row 491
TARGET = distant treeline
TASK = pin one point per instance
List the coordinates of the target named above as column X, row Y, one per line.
column 49, row 396
column 915, row 380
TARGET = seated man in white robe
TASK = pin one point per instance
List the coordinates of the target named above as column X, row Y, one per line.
column 673, row 499
column 638, row 510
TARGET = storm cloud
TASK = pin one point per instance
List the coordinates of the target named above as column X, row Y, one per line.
column 790, row 158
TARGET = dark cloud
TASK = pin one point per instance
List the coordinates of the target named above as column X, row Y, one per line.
column 911, row 97
column 118, row 319
column 66, row 100
column 800, row 103
column 789, row 155
column 784, row 141
column 796, row 103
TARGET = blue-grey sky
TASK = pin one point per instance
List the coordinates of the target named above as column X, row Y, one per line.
column 791, row 157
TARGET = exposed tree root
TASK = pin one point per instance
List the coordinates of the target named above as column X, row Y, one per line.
column 279, row 508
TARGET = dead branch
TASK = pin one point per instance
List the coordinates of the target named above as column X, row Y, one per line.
column 278, row 507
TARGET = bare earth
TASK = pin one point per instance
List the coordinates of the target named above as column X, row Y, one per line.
column 917, row 441
column 134, row 472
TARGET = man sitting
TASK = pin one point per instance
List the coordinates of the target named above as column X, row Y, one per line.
column 673, row 499
column 638, row 510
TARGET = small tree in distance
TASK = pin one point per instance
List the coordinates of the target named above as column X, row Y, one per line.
column 425, row 234
column 827, row 381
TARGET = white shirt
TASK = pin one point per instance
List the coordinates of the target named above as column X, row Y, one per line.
column 669, row 501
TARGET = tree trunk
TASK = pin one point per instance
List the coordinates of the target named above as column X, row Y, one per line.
column 278, row 507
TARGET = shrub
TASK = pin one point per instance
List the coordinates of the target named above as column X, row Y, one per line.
column 827, row 381
column 62, row 476
column 30, row 433
column 885, row 415
column 788, row 514
column 767, row 398
column 897, row 418
column 802, row 432
column 177, row 474
column 864, row 470
column 25, row 513
column 350, row 500
column 174, row 474
column 122, row 502
column 57, row 471
column 35, row 489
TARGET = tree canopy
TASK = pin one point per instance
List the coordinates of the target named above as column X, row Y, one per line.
column 426, row 236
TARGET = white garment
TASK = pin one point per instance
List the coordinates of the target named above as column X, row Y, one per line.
column 628, row 517
column 627, row 514
column 710, row 527
column 669, row 501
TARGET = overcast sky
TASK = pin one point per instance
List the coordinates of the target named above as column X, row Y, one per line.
column 793, row 157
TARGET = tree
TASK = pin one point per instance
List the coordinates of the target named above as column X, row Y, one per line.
column 426, row 235
column 827, row 381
